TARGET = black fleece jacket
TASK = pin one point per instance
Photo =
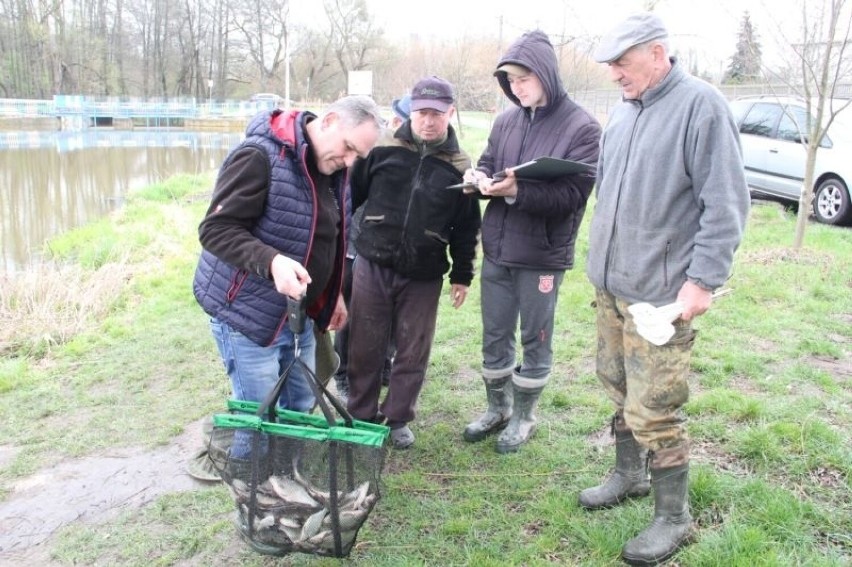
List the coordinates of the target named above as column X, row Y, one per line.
column 410, row 218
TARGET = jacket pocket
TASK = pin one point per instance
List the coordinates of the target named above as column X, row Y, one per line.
column 436, row 237
column 236, row 284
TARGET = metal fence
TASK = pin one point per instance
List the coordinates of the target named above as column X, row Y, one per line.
column 82, row 109
column 599, row 102
column 129, row 108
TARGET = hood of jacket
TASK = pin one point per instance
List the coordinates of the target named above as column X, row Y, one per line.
column 534, row 51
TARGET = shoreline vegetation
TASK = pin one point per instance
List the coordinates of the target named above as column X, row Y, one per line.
column 105, row 347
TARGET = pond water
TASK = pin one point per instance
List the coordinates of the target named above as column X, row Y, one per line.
column 51, row 182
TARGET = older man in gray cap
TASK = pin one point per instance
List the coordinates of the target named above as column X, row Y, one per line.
column 672, row 203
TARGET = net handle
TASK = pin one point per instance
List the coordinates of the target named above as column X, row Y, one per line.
column 321, row 394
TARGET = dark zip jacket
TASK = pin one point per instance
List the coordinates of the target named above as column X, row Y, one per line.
column 538, row 229
column 245, row 296
column 410, row 218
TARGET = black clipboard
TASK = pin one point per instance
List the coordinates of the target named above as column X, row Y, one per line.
column 539, row 169
column 550, row 167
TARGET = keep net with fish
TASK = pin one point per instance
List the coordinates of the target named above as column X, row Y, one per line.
column 301, row 482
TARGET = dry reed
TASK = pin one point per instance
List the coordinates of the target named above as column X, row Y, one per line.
column 47, row 305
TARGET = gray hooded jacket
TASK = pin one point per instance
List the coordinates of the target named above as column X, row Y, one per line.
column 539, row 228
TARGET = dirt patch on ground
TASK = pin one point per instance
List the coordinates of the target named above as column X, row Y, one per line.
column 7, row 454
column 94, row 490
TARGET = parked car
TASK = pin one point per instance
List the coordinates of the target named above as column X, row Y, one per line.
column 271, row 100
column 775, row 156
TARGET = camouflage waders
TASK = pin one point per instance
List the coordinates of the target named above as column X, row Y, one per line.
column 647, row 382
column 648, row 385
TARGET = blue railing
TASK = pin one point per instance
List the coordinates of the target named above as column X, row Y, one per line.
column 64, row 106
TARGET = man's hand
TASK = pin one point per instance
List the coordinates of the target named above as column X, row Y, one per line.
column 473, row 176
column 696, row 300
column 458, row 293
column 290, row 277
column 338, row 318
column 506, row 187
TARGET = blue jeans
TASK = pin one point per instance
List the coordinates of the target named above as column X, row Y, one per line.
column 254, row 370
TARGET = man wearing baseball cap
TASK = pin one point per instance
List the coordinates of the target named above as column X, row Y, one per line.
column 672, row 203
column 411, row 220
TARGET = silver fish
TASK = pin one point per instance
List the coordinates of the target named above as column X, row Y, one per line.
column 347, row 519
column 356, row 498
column 321, row 496
column 264, row 523
column 291, row 491
column 288, row 522
column 313, row 524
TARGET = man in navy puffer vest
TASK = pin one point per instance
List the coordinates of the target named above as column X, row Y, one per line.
column 275, row 228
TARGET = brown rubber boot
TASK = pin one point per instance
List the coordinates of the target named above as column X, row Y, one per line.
column 671, row 528
column 630, row 477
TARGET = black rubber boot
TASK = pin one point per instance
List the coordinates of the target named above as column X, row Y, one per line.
column 630, row 477
column 498, row 391
column 672, row 525
column 521, row 425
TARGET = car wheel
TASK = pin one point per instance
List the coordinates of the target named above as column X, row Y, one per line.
column 831, row 202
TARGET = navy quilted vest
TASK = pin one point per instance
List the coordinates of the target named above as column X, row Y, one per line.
column 245, row 301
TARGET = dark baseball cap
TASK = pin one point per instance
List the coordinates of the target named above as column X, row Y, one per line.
column 433, row 93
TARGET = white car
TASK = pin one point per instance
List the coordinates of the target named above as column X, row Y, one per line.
column 775, row 157
column 267, row 100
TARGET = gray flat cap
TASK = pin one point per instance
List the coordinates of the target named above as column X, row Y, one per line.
column 636, row 29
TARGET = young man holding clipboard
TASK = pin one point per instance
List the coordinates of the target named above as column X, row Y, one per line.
column 528, row 233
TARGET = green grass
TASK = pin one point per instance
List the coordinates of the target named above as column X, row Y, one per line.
column 769, row 415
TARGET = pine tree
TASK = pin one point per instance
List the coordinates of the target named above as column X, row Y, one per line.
column 746, row 62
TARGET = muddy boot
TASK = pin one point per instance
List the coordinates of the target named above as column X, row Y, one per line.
column 521, row 425
column 630, row 477
column 498, row 391
column 341, row 381
column 672, row 525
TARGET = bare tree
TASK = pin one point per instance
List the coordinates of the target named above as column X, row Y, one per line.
column 347, row 40
column 264, row 28
column 821, row 59
column 352, row 33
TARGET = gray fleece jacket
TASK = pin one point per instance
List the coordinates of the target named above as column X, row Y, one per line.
column 672, row 199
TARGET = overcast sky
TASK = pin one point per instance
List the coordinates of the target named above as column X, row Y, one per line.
column 705, row 28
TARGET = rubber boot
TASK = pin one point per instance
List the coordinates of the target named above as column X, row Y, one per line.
column 498, row 391
column 521, row 425
column 630, row 477
column 672, row 525
column 341, row 381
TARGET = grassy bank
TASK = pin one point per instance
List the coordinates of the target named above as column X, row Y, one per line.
column 769, row 412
